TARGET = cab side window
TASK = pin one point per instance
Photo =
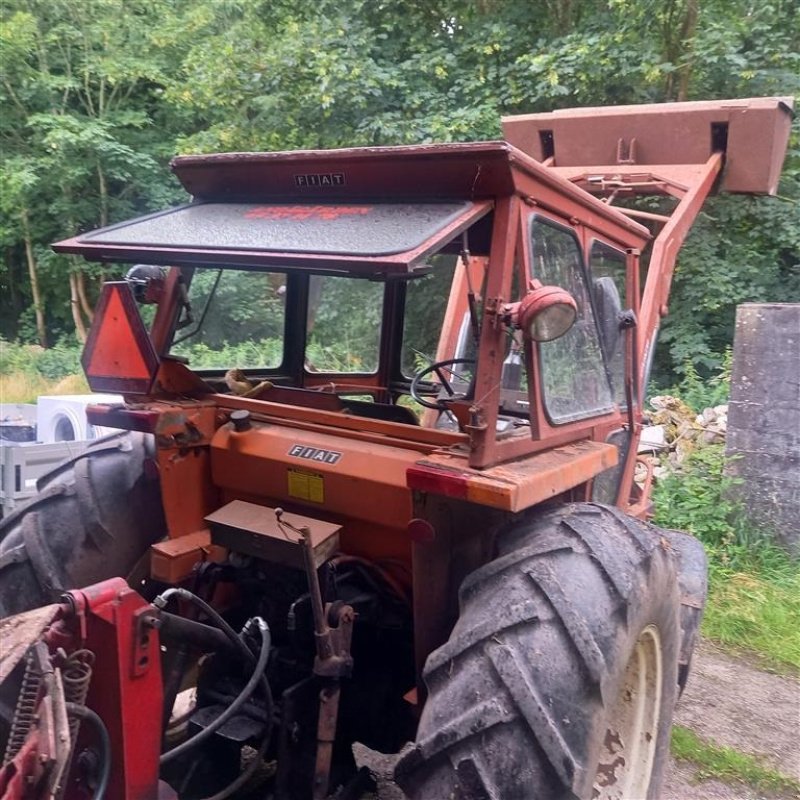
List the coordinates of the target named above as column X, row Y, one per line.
column 574, row 379
column 607, row 275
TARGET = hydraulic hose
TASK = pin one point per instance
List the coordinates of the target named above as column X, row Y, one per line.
column 176, row 591
column 104, row 741
column 233, row 708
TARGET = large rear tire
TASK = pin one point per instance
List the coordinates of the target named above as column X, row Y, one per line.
column 94, row 518
column 560, row 676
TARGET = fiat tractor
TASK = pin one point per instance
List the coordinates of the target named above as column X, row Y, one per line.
column 377, row 477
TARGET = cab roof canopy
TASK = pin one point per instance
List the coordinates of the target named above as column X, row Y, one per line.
column 363, row 211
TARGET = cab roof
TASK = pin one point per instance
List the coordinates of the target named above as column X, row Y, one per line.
column 378, row 211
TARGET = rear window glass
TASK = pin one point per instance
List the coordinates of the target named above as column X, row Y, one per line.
column 343, row 325
column 426, row 301
column 237, row 320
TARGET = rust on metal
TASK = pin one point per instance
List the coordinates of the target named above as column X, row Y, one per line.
column 19, row 632
column 517, row 485
column 752, row 133
column 173, row 560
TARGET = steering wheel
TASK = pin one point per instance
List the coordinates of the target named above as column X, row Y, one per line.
column 445, row 374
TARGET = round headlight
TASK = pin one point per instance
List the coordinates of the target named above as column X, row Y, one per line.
column 546, row 313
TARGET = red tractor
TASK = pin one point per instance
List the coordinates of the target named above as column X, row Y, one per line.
column 378, row 479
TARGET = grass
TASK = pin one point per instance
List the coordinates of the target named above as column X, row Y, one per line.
column 25, row 387
column 727, row 764
column 753, row 604
column 754, row 594
column 756, row 613
column 28, row 371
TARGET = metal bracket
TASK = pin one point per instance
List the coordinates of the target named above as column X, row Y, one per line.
column 140, row 647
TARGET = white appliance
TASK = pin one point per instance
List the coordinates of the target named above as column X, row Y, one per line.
column 63, row 418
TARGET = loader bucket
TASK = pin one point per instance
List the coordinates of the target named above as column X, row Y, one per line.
column 752, row 133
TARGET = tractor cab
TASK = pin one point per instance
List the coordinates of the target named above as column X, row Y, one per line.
column 461, row 289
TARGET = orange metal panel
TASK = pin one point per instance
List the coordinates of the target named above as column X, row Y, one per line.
column 387, row 547
column 173, row 561
column 517, row 485
column 315, row 470
column 406, row 435
column 491, row 350
column 186, row 490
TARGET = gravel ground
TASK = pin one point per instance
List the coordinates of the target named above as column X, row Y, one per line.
column 727, row 701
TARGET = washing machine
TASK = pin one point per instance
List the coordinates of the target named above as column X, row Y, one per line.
column 62, row 418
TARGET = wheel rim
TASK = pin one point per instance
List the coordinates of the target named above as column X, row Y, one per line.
column 631, row 738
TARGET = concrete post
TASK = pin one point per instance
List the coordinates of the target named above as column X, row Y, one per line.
column 764, row 417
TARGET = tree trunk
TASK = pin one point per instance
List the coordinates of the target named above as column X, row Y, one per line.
column 103, row 188
column 75, row 307
column 38, row 307
column 86, row 306
column 678, row 44
column 687, row 39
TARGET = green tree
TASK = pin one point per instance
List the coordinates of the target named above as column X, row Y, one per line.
column 77, row 79
column 99, row 94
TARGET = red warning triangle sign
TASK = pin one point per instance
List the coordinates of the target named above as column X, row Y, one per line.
column 119, row 356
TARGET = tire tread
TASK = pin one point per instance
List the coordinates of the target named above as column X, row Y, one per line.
column 488, row 652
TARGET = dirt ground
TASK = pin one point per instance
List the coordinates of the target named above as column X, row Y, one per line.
column 730, row 702
column 727, row 701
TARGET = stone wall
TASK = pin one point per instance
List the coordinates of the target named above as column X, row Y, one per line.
column 764, row 417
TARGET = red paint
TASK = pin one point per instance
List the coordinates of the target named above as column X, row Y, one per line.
column 126, row 693
column 420, row 530
column 299, row 213
column 125, row 418
column 17, row 777
column 438, row 481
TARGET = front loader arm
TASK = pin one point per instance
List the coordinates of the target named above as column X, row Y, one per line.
column 679, row 150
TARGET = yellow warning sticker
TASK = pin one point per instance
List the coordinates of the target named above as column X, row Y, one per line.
column 306, row 486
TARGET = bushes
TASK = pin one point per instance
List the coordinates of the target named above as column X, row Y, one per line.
column 698, row 497
column 700, row 394
column 56, row 362
column 754, row 596
column 260, row 353
column 59, row 361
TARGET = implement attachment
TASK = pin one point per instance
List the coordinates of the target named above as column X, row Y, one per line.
column 751, row 133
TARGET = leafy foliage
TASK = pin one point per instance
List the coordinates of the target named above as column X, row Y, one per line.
column 754, row 596
column 699, row 393
column 700, row 498
column 741, row 249
column 56, row 362
column 98, row 94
